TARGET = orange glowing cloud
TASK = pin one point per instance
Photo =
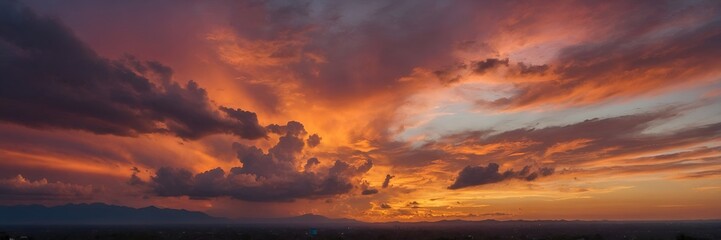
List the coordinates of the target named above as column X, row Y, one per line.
column 375, row 111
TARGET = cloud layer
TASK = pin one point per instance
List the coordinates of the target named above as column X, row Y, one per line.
column 427, row 110
column 21, row 188
column 272, row 176
column 52, row 80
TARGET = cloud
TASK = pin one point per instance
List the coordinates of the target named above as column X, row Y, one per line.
column 479, row 175
column 53, row 80
column 387, row 181
column 134, row 179
column 404, row 154
column 280, row 51
column 702, row 174
column 310, row 163
column 313, row 140
column 564, row 144
column 598, row 147
column 658, row 48
column 413, row 204
column 283, row 46
column 367, row 189
column 21, row 188
column 293, row 128
column 264, row 177
column 491, row 63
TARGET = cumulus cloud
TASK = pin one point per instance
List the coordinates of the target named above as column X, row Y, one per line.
column 310, row 163
column 293, row 128
column 264, row 176
column 313, row 140
column 53, row 80
column 479, row 175
column 21, row 188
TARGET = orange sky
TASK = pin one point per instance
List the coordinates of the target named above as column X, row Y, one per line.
column 468, row 109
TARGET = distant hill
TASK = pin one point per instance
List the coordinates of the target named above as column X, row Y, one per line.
column 104, row 214
column 99, row 213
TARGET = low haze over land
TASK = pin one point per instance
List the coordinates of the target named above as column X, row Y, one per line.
column 377, row 111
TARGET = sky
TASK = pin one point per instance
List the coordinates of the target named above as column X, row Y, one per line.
column 372, row 110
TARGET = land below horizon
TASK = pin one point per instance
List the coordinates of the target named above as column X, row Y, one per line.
column 106, row 214
column 102, row 221
column 478, row 230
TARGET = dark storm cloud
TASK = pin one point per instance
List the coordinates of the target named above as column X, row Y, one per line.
column 387, row 181
column 52, row 80
column 479, row 175
column 271, row 176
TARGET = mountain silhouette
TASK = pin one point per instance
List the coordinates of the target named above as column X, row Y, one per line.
column 99, row 213
column 104, row 214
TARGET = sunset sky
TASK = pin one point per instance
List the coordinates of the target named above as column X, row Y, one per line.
column 372, row 110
